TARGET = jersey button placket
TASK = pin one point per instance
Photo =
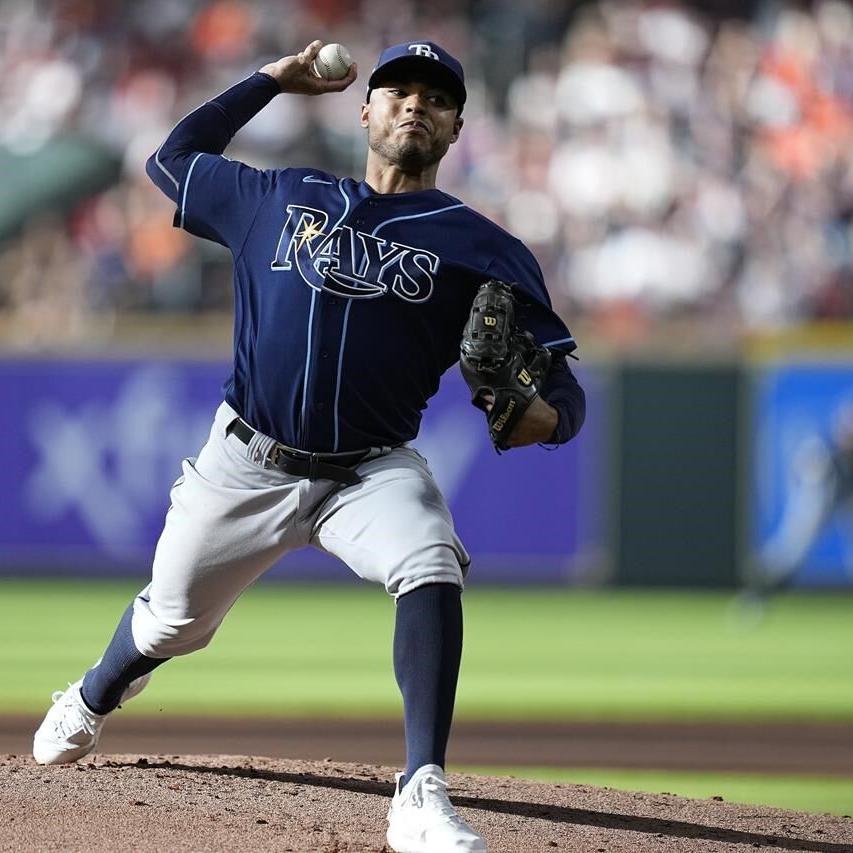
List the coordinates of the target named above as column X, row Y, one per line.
column 359, row 219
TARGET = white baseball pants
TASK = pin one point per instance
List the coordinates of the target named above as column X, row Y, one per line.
column 231, row 519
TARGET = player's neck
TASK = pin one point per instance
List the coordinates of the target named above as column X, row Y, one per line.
column 385, row 177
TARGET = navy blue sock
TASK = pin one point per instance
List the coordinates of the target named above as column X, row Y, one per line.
column 121, row 664
column 427, row 651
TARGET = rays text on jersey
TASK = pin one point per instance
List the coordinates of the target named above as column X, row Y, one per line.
column 352, row 263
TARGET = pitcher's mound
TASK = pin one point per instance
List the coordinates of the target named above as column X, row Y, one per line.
column 218, row 802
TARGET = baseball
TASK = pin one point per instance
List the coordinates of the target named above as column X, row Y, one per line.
column 332, row 62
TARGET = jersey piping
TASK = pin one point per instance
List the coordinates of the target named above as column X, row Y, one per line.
column 165, row 171
column 569, row 340
column 307, row 359
column 187, row 186
column 414, row 216
column 340, row 371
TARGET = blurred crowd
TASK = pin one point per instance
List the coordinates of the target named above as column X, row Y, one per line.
column 661, row 162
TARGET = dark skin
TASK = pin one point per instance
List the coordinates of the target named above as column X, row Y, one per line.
column 410, row 125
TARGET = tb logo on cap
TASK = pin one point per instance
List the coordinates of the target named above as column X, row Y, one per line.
column 423, row 50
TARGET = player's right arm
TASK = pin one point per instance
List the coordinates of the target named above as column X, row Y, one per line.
column 216, row 197
column 207, row 130
column 293, row 74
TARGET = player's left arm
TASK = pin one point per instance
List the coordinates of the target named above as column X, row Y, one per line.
column 558, row 413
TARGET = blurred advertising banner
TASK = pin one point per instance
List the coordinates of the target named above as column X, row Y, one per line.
column 802, row 497
column 90, row 449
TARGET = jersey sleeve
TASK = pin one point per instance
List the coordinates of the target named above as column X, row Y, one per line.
column 219, row 198
column 563, row 391
column 216, row 198
column 516, row 265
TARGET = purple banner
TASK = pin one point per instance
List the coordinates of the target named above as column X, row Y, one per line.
column 89, row 450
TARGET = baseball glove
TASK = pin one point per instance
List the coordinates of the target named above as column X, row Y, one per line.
column 500, row 361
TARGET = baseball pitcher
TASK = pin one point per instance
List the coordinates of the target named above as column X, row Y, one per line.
column 351, row 299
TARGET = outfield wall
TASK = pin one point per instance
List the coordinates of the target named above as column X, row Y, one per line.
column 676, row 504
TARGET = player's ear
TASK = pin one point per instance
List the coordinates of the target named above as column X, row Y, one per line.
column 365, row 113
column 457, row 128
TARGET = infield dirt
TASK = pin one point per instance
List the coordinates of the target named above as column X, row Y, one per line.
column 824, row 749
column 180, row 803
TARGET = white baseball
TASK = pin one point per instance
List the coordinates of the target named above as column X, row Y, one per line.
column 332, row 62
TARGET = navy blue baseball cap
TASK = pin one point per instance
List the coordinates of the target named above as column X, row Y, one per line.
column 424, row 59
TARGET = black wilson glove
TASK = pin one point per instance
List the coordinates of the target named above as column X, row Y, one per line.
column 498, row 359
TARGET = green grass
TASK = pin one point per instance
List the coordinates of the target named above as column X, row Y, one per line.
column 814, row 794
column 546, row 654
column 535, row 654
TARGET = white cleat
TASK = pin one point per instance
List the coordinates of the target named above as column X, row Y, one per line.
column 70, row 730
column 422, row 819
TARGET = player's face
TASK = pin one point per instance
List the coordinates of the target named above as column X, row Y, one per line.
column 410, row 123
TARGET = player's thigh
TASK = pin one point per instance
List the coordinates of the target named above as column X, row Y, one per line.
column 395, row 527
column 228, row 522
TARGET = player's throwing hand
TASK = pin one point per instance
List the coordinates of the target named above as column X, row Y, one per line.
column 294, row 76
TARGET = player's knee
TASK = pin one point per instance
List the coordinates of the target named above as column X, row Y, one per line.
column 439, row 564
column 159, row 637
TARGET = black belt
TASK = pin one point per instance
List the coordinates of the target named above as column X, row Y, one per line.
column 314, row 466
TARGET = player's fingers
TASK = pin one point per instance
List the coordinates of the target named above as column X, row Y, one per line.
column 344, row 82
column 309, row 53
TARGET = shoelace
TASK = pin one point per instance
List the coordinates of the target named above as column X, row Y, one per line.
column 431, row 793
column 76, row 718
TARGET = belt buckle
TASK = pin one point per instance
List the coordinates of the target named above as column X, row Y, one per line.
column 275, row 454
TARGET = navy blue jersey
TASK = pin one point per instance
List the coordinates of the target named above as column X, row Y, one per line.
column 350, row 304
